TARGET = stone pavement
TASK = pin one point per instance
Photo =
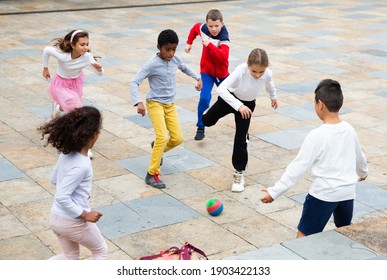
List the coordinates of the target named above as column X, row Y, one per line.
column 306, row 41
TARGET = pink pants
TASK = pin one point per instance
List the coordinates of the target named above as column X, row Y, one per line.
column 71, row 234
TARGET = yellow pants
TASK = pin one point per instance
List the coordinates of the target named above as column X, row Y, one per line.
column 168, row 132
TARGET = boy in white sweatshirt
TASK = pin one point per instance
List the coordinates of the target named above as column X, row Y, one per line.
column 333, row 155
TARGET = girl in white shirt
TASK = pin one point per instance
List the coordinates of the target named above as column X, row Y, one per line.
column 72, row 53
column 237, row 94
column 72, row 220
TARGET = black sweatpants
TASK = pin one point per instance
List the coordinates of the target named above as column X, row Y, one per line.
column 220, row 109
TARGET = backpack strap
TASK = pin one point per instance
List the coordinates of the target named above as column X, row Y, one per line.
column 184, row 253
column 164, row 254
column 187, row 250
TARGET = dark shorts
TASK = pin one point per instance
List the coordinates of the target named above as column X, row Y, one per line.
column 316, row 214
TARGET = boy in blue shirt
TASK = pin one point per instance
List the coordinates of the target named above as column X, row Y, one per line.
column 160, row 70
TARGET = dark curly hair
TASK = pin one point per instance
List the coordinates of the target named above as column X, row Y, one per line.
column 72, row 131
column 167, row 36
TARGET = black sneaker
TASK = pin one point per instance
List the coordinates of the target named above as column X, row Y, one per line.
column 161, row 161
column 154, row 181
column 199, row 134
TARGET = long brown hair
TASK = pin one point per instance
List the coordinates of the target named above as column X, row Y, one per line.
column 64, row 43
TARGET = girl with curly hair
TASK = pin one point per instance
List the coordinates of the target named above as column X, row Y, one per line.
column 72, row 220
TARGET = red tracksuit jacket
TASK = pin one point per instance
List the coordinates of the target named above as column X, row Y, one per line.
column 214, row 60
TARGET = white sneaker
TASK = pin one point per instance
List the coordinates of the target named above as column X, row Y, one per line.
column 90, row 154
column 55, row 110
column 239, row 182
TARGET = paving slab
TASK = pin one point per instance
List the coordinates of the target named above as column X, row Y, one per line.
column 275, row 252
column 288, row 139
column 143, row 214
column 9, row 171
column 329, row 245
column 174, row 161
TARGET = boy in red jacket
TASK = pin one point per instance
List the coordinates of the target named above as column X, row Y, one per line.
column 214, row 60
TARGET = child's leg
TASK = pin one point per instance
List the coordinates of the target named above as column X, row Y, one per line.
column 205, row 97
column 72, row 233
column 217, row 111
column 240, row 155
column 157, row 116
column 343, row 213
column 63, row 229
column 92, row 239
column 70, row 249
column 173, row 126
column 315, row 215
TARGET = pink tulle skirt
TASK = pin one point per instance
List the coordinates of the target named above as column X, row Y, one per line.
column 67, row 92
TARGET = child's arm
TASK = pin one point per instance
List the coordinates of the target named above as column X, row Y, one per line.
column 274, row 103
column 188, row 48
column 297, row 168
column 66, row 188
column 199, row 85
column 51, row 51
column 193, row 33
column 92, row 216
column 361, row 161
column 46, row 55
column 97, row 67
column 231, row 82
column 134, row 89
column 46, row 73
column 271, row 89
column 141, row 109
column 266, row 198
column 221, row 53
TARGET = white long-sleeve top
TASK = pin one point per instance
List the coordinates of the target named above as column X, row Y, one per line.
column 69, row 68
column 245, row 87
column 72, row 176
column 333, row 155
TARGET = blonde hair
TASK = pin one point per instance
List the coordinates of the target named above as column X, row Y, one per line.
column 258, row 56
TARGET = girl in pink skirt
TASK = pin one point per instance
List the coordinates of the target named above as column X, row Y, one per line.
column 72, row 53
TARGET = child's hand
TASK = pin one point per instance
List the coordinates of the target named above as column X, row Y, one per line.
column 274, row 104
column 205, row 42
column 362, row 179
column 46, row 73
column 199, row 85
column 245, row 112
column 97, row 66
column 188, row 48
column 141, row 109
column 92, row 216
column 266, row 198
